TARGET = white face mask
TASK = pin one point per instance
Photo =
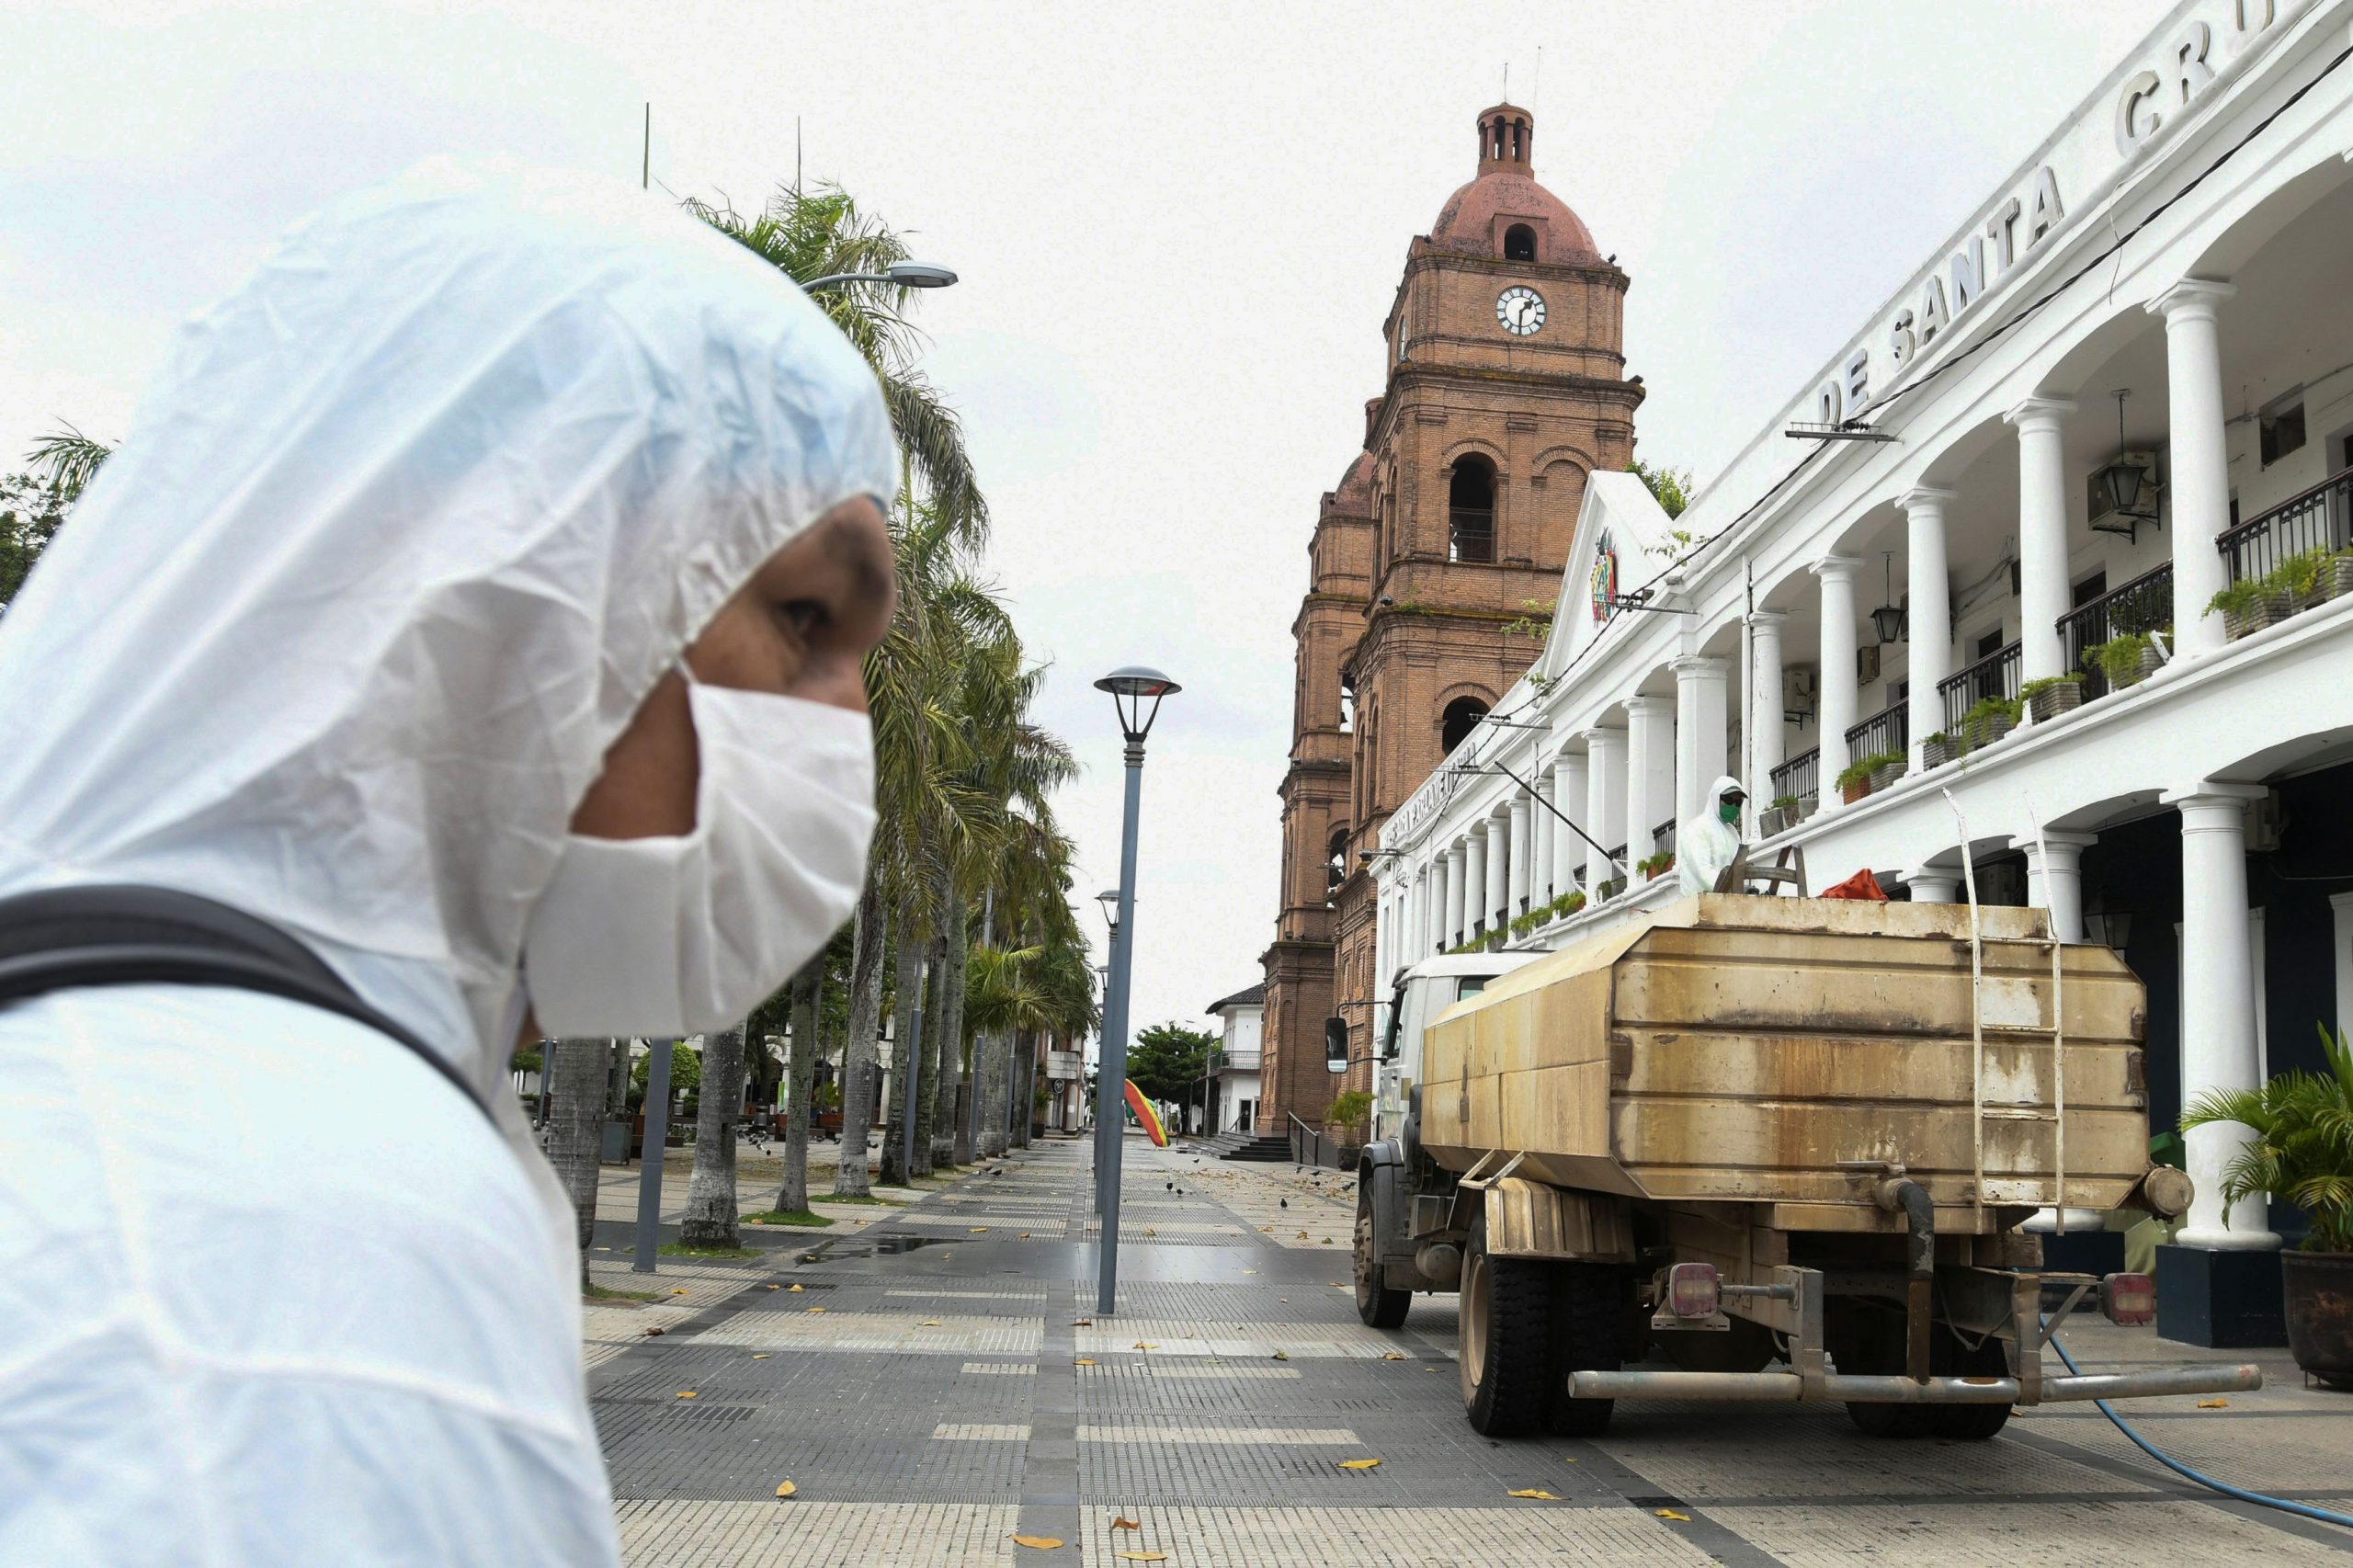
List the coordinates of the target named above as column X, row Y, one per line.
column 683, row 936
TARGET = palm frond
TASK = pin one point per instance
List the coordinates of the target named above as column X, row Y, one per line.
column 66, row 460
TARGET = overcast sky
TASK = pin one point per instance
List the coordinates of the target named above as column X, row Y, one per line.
column 1179, row 227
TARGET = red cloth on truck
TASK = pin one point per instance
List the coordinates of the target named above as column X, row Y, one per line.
column 1862, row 885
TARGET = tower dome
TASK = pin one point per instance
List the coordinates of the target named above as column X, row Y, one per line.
column 1503, row 211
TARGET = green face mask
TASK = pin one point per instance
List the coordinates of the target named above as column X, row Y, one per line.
column 1728, row 811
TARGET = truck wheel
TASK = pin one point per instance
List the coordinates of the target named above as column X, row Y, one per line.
column 1865, row 1337
column 1966, row 1423
column 1377, row 1305
column 1503, row 1347
column 1588, row 1317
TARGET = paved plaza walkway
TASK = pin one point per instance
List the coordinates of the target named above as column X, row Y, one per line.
column 935, row 1382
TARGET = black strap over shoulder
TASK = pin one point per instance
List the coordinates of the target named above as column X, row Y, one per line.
column 60, row 938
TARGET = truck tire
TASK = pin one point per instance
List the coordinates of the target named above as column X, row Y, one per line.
column 1588, row 1321
column 1866, row 1337
column 1503, row 1347
column 1966, row 1423
column 1377, row 1305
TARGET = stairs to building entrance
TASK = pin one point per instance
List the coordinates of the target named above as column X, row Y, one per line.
column 1264, row 1147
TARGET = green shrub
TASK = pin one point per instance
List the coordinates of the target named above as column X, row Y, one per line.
column 2300, row 574
column 2035, row 688
column 1977, row 724
column 2237, row 599
column 1785, row 802
column 1349, row 1109
column 2303, row 1147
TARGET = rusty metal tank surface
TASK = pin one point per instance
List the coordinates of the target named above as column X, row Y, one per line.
column 1783, row 1051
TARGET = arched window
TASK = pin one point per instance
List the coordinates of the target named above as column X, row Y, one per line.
column 1520, row 243
column 1471, row 510
column 1335, row 863
column 1461, row 717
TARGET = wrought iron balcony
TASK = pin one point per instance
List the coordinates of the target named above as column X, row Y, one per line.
column 2143, row 604
column 1888, row 730
column 1995, row 675
column 1800, row 776
column 2320, row 518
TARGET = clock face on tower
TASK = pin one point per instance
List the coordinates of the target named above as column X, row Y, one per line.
column 1520, row 309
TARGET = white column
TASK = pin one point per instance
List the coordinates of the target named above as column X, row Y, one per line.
column 1457, row 875
column 1522, row 884
column 1541, row 825
column 1928, row 619
column 1568, row 793
column 2201, row 476
column 1700, row 737
column 1761, row 730
column 1499, row 848
column 2043, row 534
column 1433, row 939
column 1474, row 887
column 2058, row 887
column 1647, row 738
column 2218, row 1036
column 1933, row 884
column 1837, row 702
column 1605, row 800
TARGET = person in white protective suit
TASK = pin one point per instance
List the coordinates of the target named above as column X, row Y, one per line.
column 1706, row 841
column 479, row 598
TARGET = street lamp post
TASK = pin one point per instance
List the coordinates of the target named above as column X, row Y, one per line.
column 1131, row 689
column 902, row 274
column 649, row 1170
column 1113, row 1007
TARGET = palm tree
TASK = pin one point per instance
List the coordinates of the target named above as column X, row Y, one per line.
column 66, row 460
column 710, row 1219
column 812, row 233
column 577, row 1131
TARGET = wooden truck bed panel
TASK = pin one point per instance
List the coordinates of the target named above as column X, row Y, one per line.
column 1738, row 1050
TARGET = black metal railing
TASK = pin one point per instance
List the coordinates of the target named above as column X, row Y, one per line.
column 1888, row 730
column 1311, row 1145
column 2144, row 604
column 2320, row 518
column 1800, row 776
column 1995, row 675
column 1474, row 532
column 1663, row 837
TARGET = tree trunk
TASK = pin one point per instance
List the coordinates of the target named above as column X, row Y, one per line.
column 989, row 1054
column 952, row 1041
column 857, row 1056
column 927, row 1092
column 712, row 1208
column 577, row 1131
column 1025, row 1091
column 792, row 1197
column 912, row 1076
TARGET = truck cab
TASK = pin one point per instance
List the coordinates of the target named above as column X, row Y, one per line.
column 1421, row 994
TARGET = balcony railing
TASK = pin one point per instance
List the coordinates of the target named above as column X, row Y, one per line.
column 1663, row 837
column 2144, row 604
column 1888, row 729
column 1474, row 532
column 2320, row 518
column 1995, row 675
column 1800, row 776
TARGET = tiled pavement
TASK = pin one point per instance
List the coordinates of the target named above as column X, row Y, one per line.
column 941, row 1383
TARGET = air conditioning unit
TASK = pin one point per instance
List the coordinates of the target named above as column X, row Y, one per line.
column 1799, row 687
column 2265, row 822
column 2100, row 506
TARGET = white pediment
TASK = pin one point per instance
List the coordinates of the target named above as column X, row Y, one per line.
column 1623, row 536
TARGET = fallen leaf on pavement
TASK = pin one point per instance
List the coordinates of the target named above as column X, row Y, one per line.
column 1082, row 1323
column 790, row 1289
column 1536, row 1492
column 679, row 1292
column 929, row 1323
column 1671, row 1513
column 1284, row 1300
column 1145, row 1556
column 1085, row 1362
column 1139, row 1345
column 1025, row 1236
column 1038, row 1542
column 1249, row 1272
column 686, row 1393
column 652, row 1332
column 1302, row 1235
column 2213, row 1404
column 1120, row 1524
column 759, row 1355
column 1150, row 1232
column 977, row 1229
column 816, row 1309
column 1358, row 1464
column 1282, row 1355
column 1393, row 1355
column 773, row 1286
column 1267, row 1229
column 786, row 1489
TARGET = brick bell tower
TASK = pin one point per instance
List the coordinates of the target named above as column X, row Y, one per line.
column 1506, row 388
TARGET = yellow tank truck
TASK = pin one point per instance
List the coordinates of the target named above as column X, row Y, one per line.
column 1787, row 1143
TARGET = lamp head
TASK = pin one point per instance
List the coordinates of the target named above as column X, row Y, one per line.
column 919, row 275
column 1132, row 687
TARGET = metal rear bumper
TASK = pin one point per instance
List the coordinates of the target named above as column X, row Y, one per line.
column 1790, row 1387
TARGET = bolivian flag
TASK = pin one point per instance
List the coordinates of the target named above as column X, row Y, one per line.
column 1144, row 1114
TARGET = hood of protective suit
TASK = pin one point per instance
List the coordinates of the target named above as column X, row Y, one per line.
column 1705, row 845
column 398, row 540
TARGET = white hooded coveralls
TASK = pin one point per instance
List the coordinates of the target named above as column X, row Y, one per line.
column 401, row 537
column 1704, row 843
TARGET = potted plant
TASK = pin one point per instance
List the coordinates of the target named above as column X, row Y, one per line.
column 1610, row 889
column 1653, row 866
column 1939, row 749
column 2052, row 694
column 1344, row 1118
column 1987, row 721
column 2305, row 579
column 2340, row 582
column 1854, row 780
column 2303, row 1152
column 2247, row 606
column 2119, row 659
column 1887, row 766
column 1781, row 815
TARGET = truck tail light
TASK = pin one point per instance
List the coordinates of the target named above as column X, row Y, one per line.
column 1692, row 1290
column 2128, row 1299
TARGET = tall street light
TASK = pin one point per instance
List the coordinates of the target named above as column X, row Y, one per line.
column 902, row 274
column 1114, row 1005
column 1132, row 688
